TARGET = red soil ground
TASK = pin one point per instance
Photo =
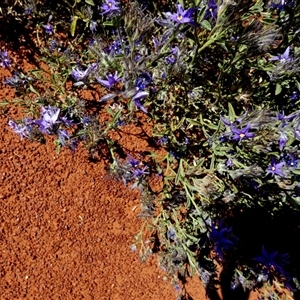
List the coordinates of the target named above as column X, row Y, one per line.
column 65, row 228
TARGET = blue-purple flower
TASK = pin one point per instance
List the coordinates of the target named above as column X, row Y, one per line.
column 241, row 134
column 222, row 238
column 276, row 168
column 18, row 80
column 137, row 100
column 48, row 27
column 163, row 140
column 5, row 61
column 28, row 10
column 93, row 26
column 143, row 81
column 283, row 138
column 23, row 129
column 282, row 117
column 272, row 259
column 140, row 172
column 285, row 57
column 110, row 8
column 79, row 75
column 291, row 160
column 211, row 11
column 115, row 48
column 63, row 137
column 49, row 117
column 294, row 96
column 171, row 59
column 182, row 16
column 111, row 80
column 133, row 162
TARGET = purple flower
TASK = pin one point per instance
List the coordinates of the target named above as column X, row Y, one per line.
column 275, row 168
column 282, row 140
column 242, row 134
column 136, row 99
column 291, row 160
column 222, row 238
column 143, row 81
column 86, row 121
column 93, row 26
column 171, row 59
column 229, row 163
column 211, row 10
column 163, row 140
column 140, row 172
column 111, row 80
column 66, row 121
column 48, row 28
column 23, row 129
column 5, row 62
column 226, row 121
column 116, row 48
column 297, row 132
column 182, row 16
column 53, row 45
column 63, row 137
column 28, row 10
column 282, row 117
column 49, row 117
column 272, row 259
column 18, row 80
column 284, row 57
column 80, row 75
column 133, row 162
column 294, row 96
column 110, row 7
column 280, row 7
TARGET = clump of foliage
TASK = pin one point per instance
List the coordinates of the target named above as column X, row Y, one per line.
column 220, row 82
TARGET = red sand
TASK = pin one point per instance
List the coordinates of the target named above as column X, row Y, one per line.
column 65, row 228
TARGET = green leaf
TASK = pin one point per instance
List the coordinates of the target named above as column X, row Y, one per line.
column 296, row 171
column 116, row 116
column 108, row 23
column 223, row 44
column 73, row 25
column 180, row 173
column 33, row 90
column 278, row 89
column 298, row 85
column 201, row 14
column 205, row 24
column 90, row 2
column 231, row 112
column 4, row 103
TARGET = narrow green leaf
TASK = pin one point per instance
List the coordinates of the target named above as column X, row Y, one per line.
column 298, row 85
column 33, row 90
column 232, row 115
column 201, row 14
column 296, row 171
column 180, row 173
column 4, row 103
column 205, row 24
column 108, row 23
column 90, row 2
column 278, row 89
column 73, row 25
column 116, row 116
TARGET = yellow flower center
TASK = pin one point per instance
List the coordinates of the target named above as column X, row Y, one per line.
column 179, row 17
column 242, row 135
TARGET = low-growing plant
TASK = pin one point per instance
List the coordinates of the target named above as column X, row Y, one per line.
column 219, row 81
